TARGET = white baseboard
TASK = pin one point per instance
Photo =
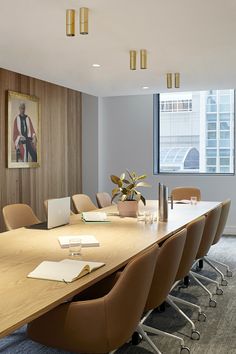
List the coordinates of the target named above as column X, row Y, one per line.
column 230, row 230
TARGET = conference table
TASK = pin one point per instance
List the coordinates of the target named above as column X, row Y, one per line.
column 23, row 299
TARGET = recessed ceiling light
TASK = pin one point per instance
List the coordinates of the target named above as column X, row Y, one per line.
column 145, row 87
column 96, row 65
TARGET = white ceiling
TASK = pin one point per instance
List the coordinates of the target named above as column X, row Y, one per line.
column 195, row 38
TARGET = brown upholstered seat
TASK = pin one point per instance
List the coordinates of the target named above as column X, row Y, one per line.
column 102, row 324
column 18, row 215
column 164, row 275
column 83, row 203
column 180, row 193
column 220, row 229
column 211, row 225
column 193, row 239
column 103, row 199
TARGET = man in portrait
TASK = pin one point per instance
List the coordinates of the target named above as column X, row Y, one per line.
column 24, row 137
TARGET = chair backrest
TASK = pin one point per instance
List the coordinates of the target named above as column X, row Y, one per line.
column 102, row 324
column 103, row 199
column 82, row 203
column 18, row 215
column 209, row 232
column 191, row 246
column 129, row 296
column 180, row 193
column 223, row 219
column 166, row 268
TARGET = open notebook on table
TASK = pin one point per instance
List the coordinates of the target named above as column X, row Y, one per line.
column 66, row 270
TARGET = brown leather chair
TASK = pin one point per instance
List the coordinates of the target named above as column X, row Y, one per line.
column 211, row 225
column 102, row 324
column 220, row 229
column 180, row 193
column 164, row 276
column 103, row 199
column 83, row 203
column 18, row 215
column 192, row 243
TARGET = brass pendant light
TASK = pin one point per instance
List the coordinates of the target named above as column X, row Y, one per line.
column 177, row 80
column 143, row 59
column 70, row 22
column 84, row 20
column 169, row 80
column 132, row 54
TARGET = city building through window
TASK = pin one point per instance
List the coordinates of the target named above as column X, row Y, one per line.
column 194, row 132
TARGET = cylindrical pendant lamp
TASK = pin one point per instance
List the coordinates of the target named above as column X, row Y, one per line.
column 177, row 80
column 169, row 80
column 70, row 22
column 143, row 59
column 132, row 54
column 84, row 20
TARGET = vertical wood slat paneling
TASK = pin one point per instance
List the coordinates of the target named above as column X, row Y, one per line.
column 60, row 172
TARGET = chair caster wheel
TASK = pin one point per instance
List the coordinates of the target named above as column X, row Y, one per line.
column 229, row 273
column 212, row 303
column 201, row 317
column 136, row 338
column 224, row 282
column 185, row 350
column 195, row 335
column 219, row 291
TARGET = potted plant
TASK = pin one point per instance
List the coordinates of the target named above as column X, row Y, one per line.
column 127, row 192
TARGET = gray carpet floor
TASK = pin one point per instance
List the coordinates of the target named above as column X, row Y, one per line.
column 218, row 333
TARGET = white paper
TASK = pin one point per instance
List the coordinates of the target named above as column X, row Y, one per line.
column 94, row 216
column 85, row 240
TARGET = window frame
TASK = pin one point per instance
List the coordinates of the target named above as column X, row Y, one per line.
column 156, row 145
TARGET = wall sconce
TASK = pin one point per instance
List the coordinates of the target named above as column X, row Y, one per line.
column 84, row 20
column 177, row 80
column 143, row 59
column 169, row 80
column 132, row 54
column 70, row 22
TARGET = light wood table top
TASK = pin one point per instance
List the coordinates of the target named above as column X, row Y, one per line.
column 23, row 299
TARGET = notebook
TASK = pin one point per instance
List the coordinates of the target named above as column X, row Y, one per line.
column 95, row 217
column 67, row 270
column 86, row 240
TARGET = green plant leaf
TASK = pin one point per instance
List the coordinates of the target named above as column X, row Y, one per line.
column 143, row 184
column 126, row 181
column 115, row 179
column 141, row 177
column 115, row 191
column 122, row 176
column 143, row 199
column 124, row 190
column 130, row 176
column 130, row 186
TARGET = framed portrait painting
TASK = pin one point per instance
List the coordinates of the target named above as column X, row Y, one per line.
column 23, row 131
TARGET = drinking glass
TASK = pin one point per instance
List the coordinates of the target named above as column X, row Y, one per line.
column 193, row 200
column 75, row 247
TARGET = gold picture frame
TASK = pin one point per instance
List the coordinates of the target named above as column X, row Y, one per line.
column 23, row 133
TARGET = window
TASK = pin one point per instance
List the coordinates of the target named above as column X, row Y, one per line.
column 194, row 132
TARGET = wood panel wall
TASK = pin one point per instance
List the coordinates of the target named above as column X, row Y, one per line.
column 60, row 172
